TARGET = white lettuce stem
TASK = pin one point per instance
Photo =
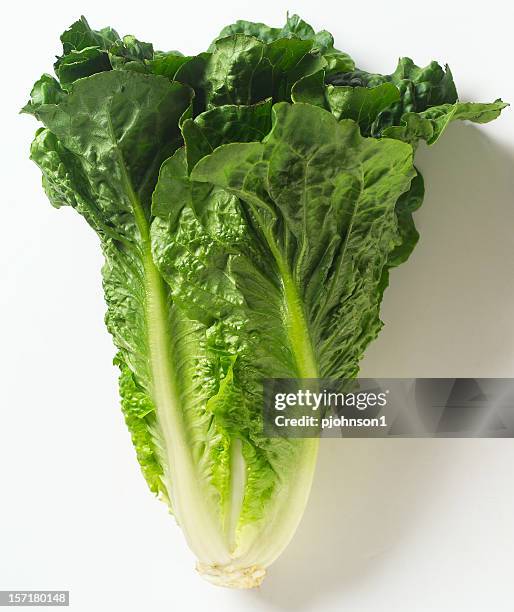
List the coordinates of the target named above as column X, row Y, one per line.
column 192, row 510
column 194, row 514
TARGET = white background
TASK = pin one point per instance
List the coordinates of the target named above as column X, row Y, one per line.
column 392, row 525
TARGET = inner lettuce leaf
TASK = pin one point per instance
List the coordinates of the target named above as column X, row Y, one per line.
column 250, row 202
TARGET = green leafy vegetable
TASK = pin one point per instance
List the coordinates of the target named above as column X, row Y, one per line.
column 250, row 202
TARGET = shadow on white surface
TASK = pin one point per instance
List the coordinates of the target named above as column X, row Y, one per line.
column 454, row 293
column 368, row 494
column 448, row 310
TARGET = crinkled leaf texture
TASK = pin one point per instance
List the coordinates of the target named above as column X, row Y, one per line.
column 250, row 202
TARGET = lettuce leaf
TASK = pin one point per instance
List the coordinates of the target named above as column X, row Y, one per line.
column 431, row 123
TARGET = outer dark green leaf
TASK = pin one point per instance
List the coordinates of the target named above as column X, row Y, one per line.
column 100, row 154
column 225, row 124
column 419, row 89
column 80, row 36
column 167, row 64
column 295, row 28
column 120, row 147
column 79, row 64
column 244, row 70
column 130, row 54
column 193, row 73
column 430, row 124
column 238, row 71
column 45, row 91
column 258, row 30
column 407, row 204
column 362, row 104
column 84, row 52
column 311, row 89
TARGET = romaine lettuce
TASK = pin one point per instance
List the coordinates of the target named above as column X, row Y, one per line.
column 250, row 202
